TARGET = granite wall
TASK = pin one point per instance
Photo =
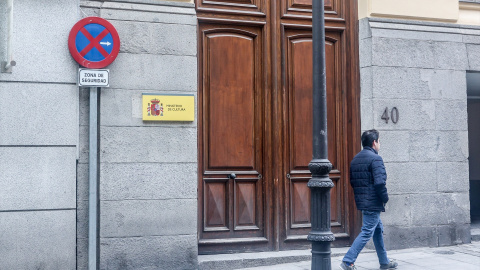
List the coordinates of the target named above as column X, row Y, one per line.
column 148, row 170
column 420, row 69
column 38, row 137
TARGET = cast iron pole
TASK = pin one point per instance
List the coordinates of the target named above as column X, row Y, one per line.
column 320, row 183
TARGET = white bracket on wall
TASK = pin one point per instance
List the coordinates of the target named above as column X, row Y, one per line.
column 7, row 65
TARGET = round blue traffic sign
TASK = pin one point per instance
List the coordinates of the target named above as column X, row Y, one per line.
column 94, row 42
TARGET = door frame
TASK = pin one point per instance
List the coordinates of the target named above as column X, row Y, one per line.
column 273, row 131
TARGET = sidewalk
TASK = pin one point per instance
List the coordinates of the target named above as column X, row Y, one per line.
column 461, row 257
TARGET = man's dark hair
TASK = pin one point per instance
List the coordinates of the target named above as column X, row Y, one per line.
column 369, row 136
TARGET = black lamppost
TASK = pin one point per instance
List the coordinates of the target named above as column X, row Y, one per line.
column 320, row 184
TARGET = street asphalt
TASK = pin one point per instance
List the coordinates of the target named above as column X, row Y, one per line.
column 460, row 257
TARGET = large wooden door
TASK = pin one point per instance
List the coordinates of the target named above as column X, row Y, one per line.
column 255, row 122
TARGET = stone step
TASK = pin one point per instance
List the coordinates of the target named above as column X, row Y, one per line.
column 475, row 229
column 475, row 234
column 246, row 260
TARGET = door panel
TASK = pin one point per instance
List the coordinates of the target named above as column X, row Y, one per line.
column 298, row 119
column 299, row 203
column 232, row 187
column 247, row 192
column 299, row 78
column 216, row 214
column 230, row 92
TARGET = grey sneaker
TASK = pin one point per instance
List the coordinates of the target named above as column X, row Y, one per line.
column 344, row 266
column 391, row 265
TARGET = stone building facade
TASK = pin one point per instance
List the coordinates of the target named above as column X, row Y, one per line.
column 426, row 151
column 420, row 68
column 415, row 59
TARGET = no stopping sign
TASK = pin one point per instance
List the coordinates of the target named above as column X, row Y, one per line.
column 93, row 42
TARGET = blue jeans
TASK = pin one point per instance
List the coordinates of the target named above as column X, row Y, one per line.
column 372, row 227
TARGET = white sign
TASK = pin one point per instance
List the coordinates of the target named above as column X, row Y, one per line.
column 93, row 77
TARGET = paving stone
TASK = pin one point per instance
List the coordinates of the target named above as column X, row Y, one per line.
column 410, row 259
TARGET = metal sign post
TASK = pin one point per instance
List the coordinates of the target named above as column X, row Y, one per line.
column 93, row 198
column 94, row 43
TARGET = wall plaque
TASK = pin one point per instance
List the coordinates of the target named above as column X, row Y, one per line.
column 164, row 107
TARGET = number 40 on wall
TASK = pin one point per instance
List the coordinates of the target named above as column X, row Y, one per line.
column 393, row 115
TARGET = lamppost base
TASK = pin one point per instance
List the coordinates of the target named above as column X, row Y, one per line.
column 321, row 256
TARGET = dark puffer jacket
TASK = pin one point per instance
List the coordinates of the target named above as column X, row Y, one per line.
column 368, row 179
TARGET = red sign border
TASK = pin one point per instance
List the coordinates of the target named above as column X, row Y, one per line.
column 76, row 54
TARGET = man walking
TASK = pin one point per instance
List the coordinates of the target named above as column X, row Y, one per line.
column 368, row 179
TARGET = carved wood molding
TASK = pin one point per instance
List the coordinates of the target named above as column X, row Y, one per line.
column 303, row 9
column 238, row 7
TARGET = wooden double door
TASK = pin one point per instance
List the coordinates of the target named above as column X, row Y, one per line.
column 255, row 122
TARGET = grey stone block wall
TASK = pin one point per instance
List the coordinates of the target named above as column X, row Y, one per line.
column 38, row 178
column 37, row 240
column 148, row 170
column 38, row 138
column 420, row 68
column 151, row 252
